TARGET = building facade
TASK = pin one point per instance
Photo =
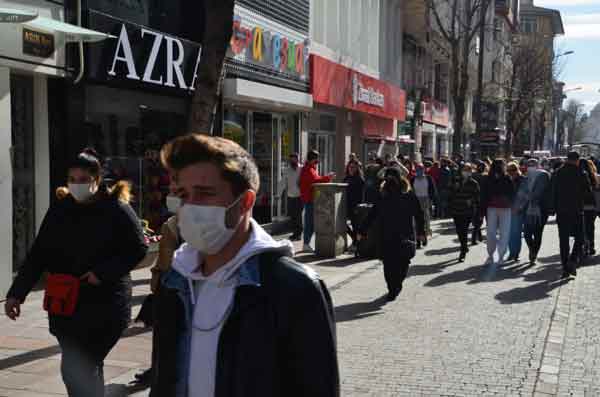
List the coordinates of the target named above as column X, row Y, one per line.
column 356, row 80
column 32, row 64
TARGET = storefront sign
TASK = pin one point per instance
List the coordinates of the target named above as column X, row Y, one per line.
column 38, row 44
column 142, row 56
column 435, row 112
column 368, row 95
column 251, row 43
column 337, row 85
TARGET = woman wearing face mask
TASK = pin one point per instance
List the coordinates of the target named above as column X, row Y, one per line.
column 516, row 216
column 464, row 206
column 397, row 214
column 88, row 243
column 426, row 193
column 497, row 196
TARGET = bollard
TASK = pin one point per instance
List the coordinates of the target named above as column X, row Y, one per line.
column 330, row 219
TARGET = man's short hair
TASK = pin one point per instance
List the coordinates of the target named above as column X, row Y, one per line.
column 312, row 155
column 533, row 162
column 236, row 165
column 573, row 156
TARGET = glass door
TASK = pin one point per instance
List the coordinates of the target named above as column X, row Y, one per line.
column 277, row 170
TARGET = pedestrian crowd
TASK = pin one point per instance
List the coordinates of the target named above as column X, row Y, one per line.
column 233, row 314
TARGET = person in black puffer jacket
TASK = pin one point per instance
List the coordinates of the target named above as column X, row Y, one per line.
column 396, row 213
column 464, row 206
column 90, row 234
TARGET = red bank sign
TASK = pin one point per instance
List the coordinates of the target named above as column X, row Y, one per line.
column 337, row 85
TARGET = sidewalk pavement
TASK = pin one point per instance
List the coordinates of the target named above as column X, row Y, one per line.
column 30, row 356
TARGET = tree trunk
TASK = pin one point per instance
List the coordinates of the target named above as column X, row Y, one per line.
column 217, row 35
column 458, row 121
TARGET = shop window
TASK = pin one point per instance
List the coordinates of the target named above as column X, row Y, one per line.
column 128, row 129
column 235, row 126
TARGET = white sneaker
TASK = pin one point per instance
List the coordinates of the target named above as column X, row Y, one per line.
column 307, row 248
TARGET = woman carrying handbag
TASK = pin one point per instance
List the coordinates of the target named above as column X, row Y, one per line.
column 396, row 213
column 88, row 243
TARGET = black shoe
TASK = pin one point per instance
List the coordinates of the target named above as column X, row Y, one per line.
column 532, row 258
column 144, row 378
column 425, row 243
column 565, row 275
column 474, row 242
column 480, row 238
column 573, row 271
column 592, row 252
column 462, row 256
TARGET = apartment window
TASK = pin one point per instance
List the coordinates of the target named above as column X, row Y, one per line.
column 497, row 29
column 529, row 25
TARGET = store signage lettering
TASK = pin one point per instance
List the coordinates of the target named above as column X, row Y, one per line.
column 38, row 44
column 367, row 95
column 174, row 54
column 269, row 48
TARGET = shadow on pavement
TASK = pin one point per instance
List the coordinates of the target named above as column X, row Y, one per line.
column 424, row 270
column 342, row 262
column 530, row 293
column 39, row 354
column 357, row 311
column 442, row 251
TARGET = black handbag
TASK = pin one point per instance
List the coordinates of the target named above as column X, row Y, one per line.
column 408, row 248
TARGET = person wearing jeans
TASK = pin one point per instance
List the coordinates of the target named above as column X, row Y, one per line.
column 497, row 198
column 532, row 201
column 308, row 177
column 291, row 185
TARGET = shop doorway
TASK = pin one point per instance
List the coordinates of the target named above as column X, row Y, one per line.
column 23, row 163
column 274, row 138
column 324, row 143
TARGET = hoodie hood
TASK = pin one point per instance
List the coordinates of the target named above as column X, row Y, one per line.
column 186, row 258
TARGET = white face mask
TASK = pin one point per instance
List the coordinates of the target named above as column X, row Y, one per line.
column 173, row 204
column 204, row 227
column 82, row 191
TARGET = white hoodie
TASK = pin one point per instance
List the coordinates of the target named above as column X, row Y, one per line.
column 213, row 297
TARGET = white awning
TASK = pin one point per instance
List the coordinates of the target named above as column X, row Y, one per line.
column 8, row 15
column 250, row 92
column 71, row 32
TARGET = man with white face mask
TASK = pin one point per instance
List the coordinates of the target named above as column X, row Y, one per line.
column 237, row 316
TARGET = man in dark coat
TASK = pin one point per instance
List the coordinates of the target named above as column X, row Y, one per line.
column 569, row 189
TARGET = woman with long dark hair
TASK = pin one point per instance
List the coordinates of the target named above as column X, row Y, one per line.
column 497, row 197
column 89, row 242
column 397, row 213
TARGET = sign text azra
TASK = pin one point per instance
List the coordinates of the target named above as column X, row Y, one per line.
column 174, row 66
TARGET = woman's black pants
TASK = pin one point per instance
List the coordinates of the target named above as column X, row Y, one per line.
column 395, row 270
column 82, row 362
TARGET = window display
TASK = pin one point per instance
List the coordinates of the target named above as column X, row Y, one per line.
column 128, row 129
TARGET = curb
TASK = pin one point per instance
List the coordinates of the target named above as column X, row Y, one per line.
column 546, row 382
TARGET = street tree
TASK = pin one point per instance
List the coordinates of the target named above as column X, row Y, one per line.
column 575, row 121
column 527, row 86
column 458, row 23
column 218, row 28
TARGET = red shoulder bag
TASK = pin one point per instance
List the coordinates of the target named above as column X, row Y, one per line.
column 61, row 295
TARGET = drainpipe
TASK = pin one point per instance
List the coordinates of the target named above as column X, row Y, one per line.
column 81, row 57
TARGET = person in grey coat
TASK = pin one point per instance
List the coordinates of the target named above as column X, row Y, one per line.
column 532, row 202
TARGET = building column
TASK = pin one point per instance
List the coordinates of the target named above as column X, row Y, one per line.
column 41, row 146
column 6, row 198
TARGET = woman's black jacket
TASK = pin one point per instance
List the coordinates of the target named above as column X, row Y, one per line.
column 354, row 193
column 394, row 217
column 103, row 237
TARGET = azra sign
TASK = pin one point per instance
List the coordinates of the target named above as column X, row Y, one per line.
column 168, row 70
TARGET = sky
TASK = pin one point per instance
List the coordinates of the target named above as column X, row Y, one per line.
column 582, row 35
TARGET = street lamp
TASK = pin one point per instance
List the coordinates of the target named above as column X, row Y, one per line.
column 565, row 53
column 579, row 88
